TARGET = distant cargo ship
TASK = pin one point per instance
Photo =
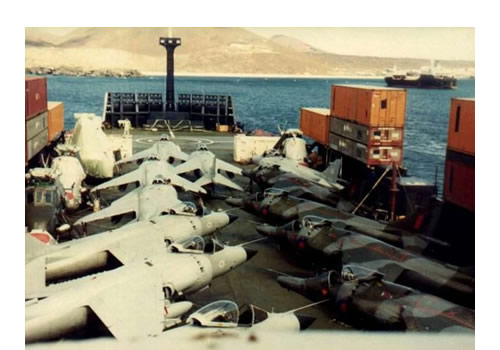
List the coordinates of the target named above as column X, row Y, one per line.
column 425, row 81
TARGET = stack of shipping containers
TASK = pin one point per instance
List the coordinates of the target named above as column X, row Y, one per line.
column 44, row 121
column 459, row 170
column 367, row 123
column 36, row 127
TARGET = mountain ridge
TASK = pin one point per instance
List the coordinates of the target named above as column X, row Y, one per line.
column 204, row 50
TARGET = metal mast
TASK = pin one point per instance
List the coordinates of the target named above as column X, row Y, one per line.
column 170, row 44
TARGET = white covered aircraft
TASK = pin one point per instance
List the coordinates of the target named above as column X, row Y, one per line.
column 66, row 172
column 147, row 173
column 164, row 149
column 146, row 202
column 209, row 167
column 94, row 147
column 130, row 301
column 71, row 177
column 291, row 145
column 48, row 263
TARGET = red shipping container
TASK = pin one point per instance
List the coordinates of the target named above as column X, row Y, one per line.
column 35, row 96
column 459, row 180
column 461, row 128
column 315, row 123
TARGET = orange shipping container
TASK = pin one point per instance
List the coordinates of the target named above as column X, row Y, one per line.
column 55, row 119
column 461, row 128
column 369, row 105
column 315, row 123
column 459, row 180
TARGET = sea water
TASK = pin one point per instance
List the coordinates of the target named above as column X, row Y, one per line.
column 268, row 102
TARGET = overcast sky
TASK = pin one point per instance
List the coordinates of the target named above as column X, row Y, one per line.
column 431, row 43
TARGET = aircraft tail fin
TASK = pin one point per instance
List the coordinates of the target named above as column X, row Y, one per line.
column 38, row 243
column 331, row 173
column 34, row 275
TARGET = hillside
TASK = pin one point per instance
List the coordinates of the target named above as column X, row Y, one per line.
column 203, row 50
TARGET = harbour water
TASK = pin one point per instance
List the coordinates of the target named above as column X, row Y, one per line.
column 268, row 102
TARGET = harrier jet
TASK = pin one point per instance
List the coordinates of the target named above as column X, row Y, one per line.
column 165, row 150
column 205, row 164
column 279, row 207
column 131, row 301
column 330, row 243
column 363, row 298
column 146, row 202
column 149, row 172
column 112, row 249
column 269, row 167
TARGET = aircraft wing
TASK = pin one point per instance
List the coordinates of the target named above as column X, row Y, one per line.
column 190, row 165
column 131, row 309
column 125, row 204
column 185, row 184
column 180, row 155
column 220, row 164
column 222, row 180
column 127, row 178
column 136, row 247
column 139, row 155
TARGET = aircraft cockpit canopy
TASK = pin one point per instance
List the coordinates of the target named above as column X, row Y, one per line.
column 354, row 272
column 213, row 246
column 153, row 157
column 160, row 180
column 164, row 137
column 202, row 147
column 275, row 192
column 190, row 245
column 250, row 315
column 189, row 207
column 222, row 313
column 293, row 226
column 312, row 221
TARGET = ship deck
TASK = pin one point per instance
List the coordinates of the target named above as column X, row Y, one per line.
column 255, row 281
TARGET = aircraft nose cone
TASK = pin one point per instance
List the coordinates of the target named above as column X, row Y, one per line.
column 235, row 202
column 293, row 283
column 250, row 253
column 232, row 218
column 268, row 231
column 305, row 321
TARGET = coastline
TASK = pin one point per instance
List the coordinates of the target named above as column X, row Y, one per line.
column 262, row 75
column 132, row 73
